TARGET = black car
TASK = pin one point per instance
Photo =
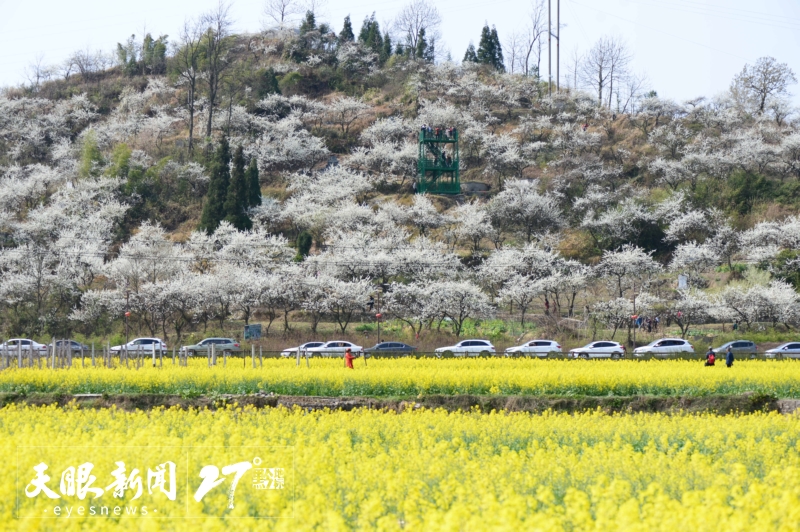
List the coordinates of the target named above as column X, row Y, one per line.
column 76, row 347
column 390, row 349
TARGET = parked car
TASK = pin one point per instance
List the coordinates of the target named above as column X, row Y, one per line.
column 790, row 350
column 600, row 349
column 76, row 347
column 221, row 347
column 665, row 347
column 390, row 349
column 470, row 348
column 335, row 348
column 292, row 351
column 537, row 348
column 26, row 344
column 145, row 345
column 739, row 348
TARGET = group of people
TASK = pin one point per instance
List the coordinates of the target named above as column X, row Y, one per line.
column 444, row 159
column 647, row 323
column 438, row 132
column 711, row 357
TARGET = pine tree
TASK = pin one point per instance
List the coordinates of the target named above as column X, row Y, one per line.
column 267, row 83
column 386, row 52
column 254, row 184
column 485, row 52
column 470, row 56
column 422, row 45
column 430, row 51
column 490, row 52
column 238, row 197
column 309, row 23
column 214, row 209
column 370, row 35
column 346, row 35
column 498, row 62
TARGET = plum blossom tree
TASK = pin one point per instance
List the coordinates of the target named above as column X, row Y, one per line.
column 459, row 301
column 521, row 292
column 629, row 266
column 521, row 207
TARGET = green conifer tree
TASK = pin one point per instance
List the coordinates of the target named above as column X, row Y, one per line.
column 485, row 52
column 370, row 35
column 386, row 52
column 422, row 45
column 346, row 35
column 498, row 61
column 214, row 208
column 254, row 184
column 470, row 55
column 490, row 51
column 309, row 23
column 237, row 200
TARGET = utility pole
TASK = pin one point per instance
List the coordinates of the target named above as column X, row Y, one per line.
column 549, row 52
column 558, row 45
column 127, row 313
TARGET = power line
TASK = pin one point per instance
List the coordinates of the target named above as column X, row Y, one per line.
column 651, row 28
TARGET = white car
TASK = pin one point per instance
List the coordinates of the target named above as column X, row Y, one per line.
column 665, row 347
column 143, row 345
column 538, row 348
column 790, row 350
column 600, row 349
column 335, row 348
column 470, row 348
column 26, row 344
column 292, row 351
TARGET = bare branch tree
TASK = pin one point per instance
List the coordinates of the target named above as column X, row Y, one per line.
column 632, row 87
column 515, row 52
column 573, row 69
column 36, row 72
column 418, row 15
column 187, row 56
column 605, row 63
column 537, row 27
column 218, row 23
column 282, row 11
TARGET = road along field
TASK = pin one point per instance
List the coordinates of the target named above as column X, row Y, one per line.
column 409, row 378
column 418, row 470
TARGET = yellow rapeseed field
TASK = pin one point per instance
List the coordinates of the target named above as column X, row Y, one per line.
column 431, row 470
column 410, row 377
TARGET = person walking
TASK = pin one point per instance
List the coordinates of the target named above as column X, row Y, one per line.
column 729, row 357
column 348, row 358
column 710, row 357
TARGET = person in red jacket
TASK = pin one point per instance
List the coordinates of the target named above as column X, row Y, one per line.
column 348, row 358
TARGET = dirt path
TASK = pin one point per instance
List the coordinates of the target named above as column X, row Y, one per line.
column 723, row 404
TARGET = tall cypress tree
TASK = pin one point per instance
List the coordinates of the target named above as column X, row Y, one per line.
column 422, row 45
column 214, row 209
column 370, row 35
column 490, row 51
column 470, row 55
column 386, row 52
column 485, row 52
column 309, row 23
column 238, row 198
column 346, row 35
column 499, row 62
column 254, row 184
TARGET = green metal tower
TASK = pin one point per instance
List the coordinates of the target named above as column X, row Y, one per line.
column 438, row 161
